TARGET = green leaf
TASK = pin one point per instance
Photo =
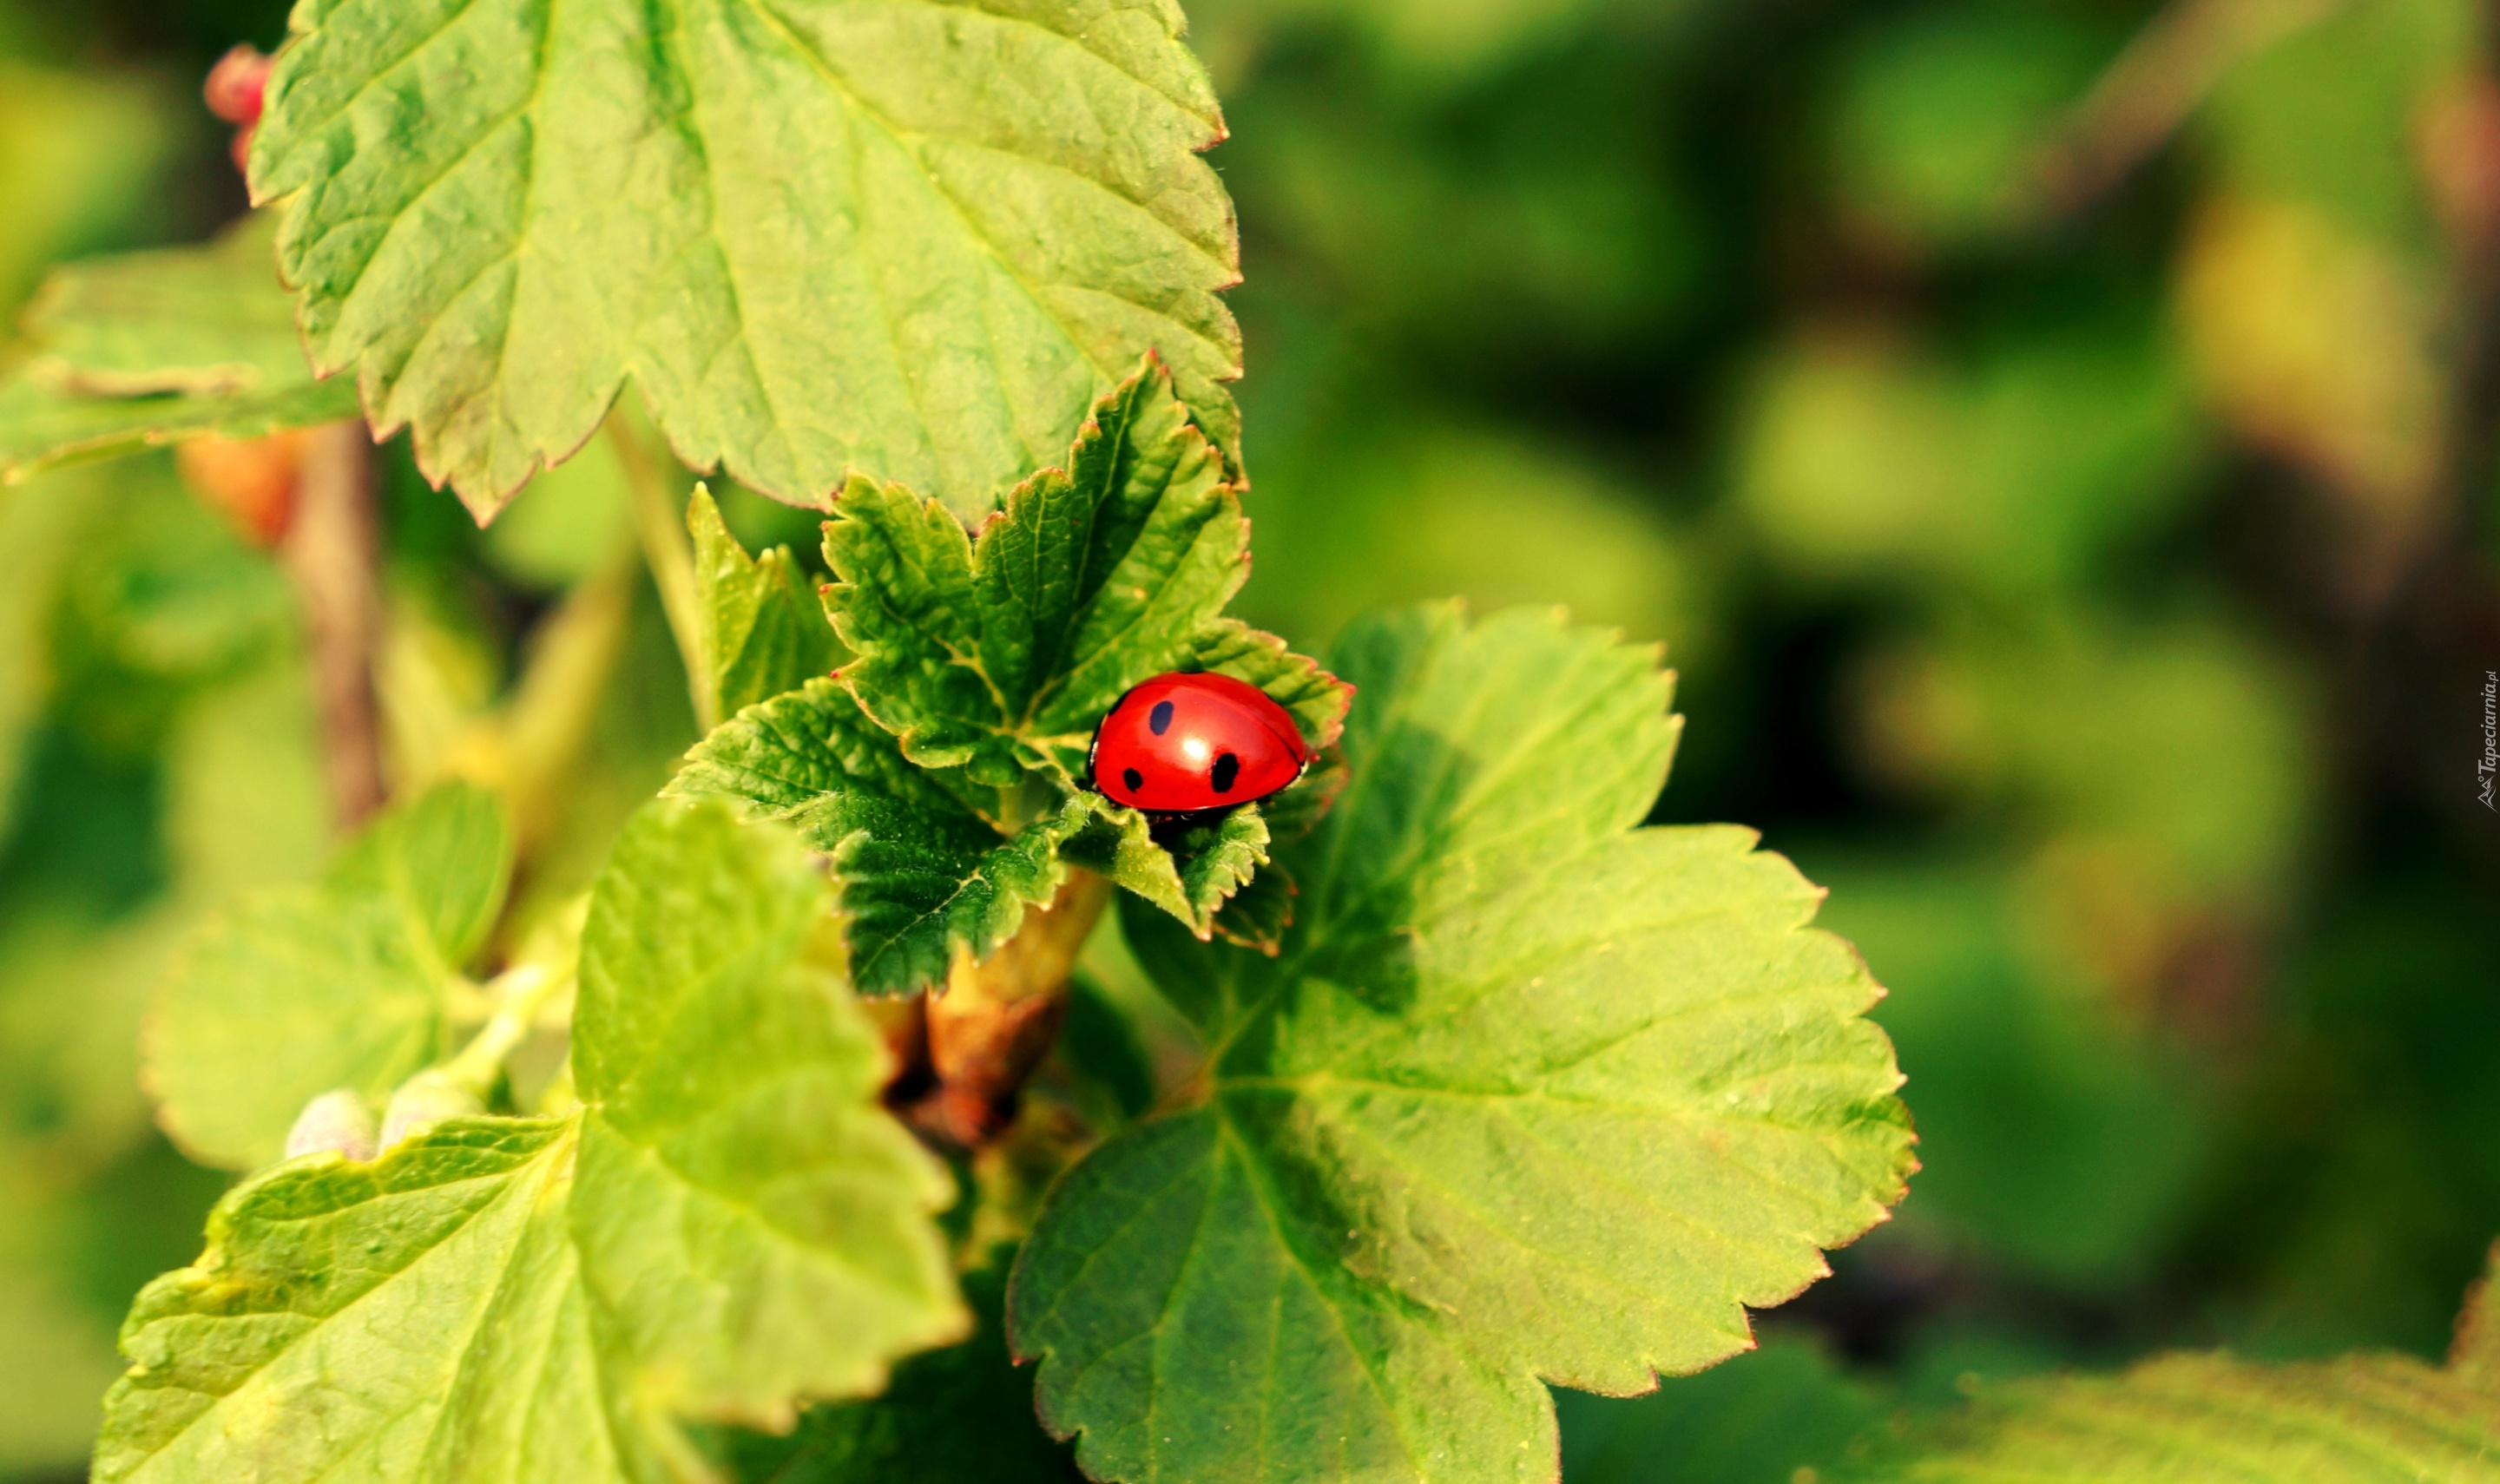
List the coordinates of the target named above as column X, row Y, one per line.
column 921, row 873
column 991, row 659
column 756, row 1223
column 763, row 632
column 207, row 319
column 729, row 1227
column 292, row 992
column 153, row 347
column 1000, row 653
column 2185, row 1419
column 1527, row 1094
column 961, row 1415
column 1187, row 868
column 910, row 242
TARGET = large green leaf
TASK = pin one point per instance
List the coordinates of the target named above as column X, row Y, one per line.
column 998, row 653
column 2189, row 1419
column 153, row 347
column 908, row 241
column 1527, row 1094
column 292, row 992
column 729, row 1227
column 762, row 632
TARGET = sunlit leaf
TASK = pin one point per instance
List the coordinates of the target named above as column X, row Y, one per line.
column 729, row 1227
column 906, row 242
column 1527, row 1094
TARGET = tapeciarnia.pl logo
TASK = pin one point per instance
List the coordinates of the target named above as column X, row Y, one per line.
column 2488, row 768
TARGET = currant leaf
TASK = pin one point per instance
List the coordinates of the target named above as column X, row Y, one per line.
column 730, row 1226
column 904, row 242
column 999, row 652
column 290, row 993
column 922, row 873
column 133, row 352
column 1527, row 1094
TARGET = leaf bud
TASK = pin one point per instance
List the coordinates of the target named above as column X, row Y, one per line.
column 339, row 1120
column 426, row 1100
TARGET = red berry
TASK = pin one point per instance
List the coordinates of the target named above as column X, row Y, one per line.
column 237, row 85
column 1178, row 744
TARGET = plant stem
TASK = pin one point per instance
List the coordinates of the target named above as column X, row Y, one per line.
column 2155, row 83
column 999, row 1016
column 660, row 518
column 332, row 552
column 518, row 993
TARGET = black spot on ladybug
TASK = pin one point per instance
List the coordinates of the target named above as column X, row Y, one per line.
column 1133, row 777
column 1226, row 768
column 1160, row 719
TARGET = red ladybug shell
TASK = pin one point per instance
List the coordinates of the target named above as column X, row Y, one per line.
column 1178, row 744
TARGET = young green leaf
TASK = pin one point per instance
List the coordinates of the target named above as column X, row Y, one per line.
column 1000, row 653
column 728, row 1225
column 922, row 872
column 1527, row 1094
column 2184, row 1419
column 991, row 659
column 911, row 242
column 292, row 994
column 1189, row 870
column 762, row 631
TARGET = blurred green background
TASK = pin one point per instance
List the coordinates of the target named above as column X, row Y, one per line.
column 2052, row 438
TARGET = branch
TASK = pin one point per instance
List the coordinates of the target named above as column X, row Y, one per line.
column 331, row 550
column 2164, row 73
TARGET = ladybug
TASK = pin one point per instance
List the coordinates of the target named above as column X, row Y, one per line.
column 1185, row 744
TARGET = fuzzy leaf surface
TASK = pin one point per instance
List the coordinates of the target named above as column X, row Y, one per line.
column 289, row 993
column 728, row 1227
column 150, row 349
column 1528, row 1093
column 908, row 241
column 762, row 631
column 922, row 872
column 2364, row 1418
column 999, row 651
